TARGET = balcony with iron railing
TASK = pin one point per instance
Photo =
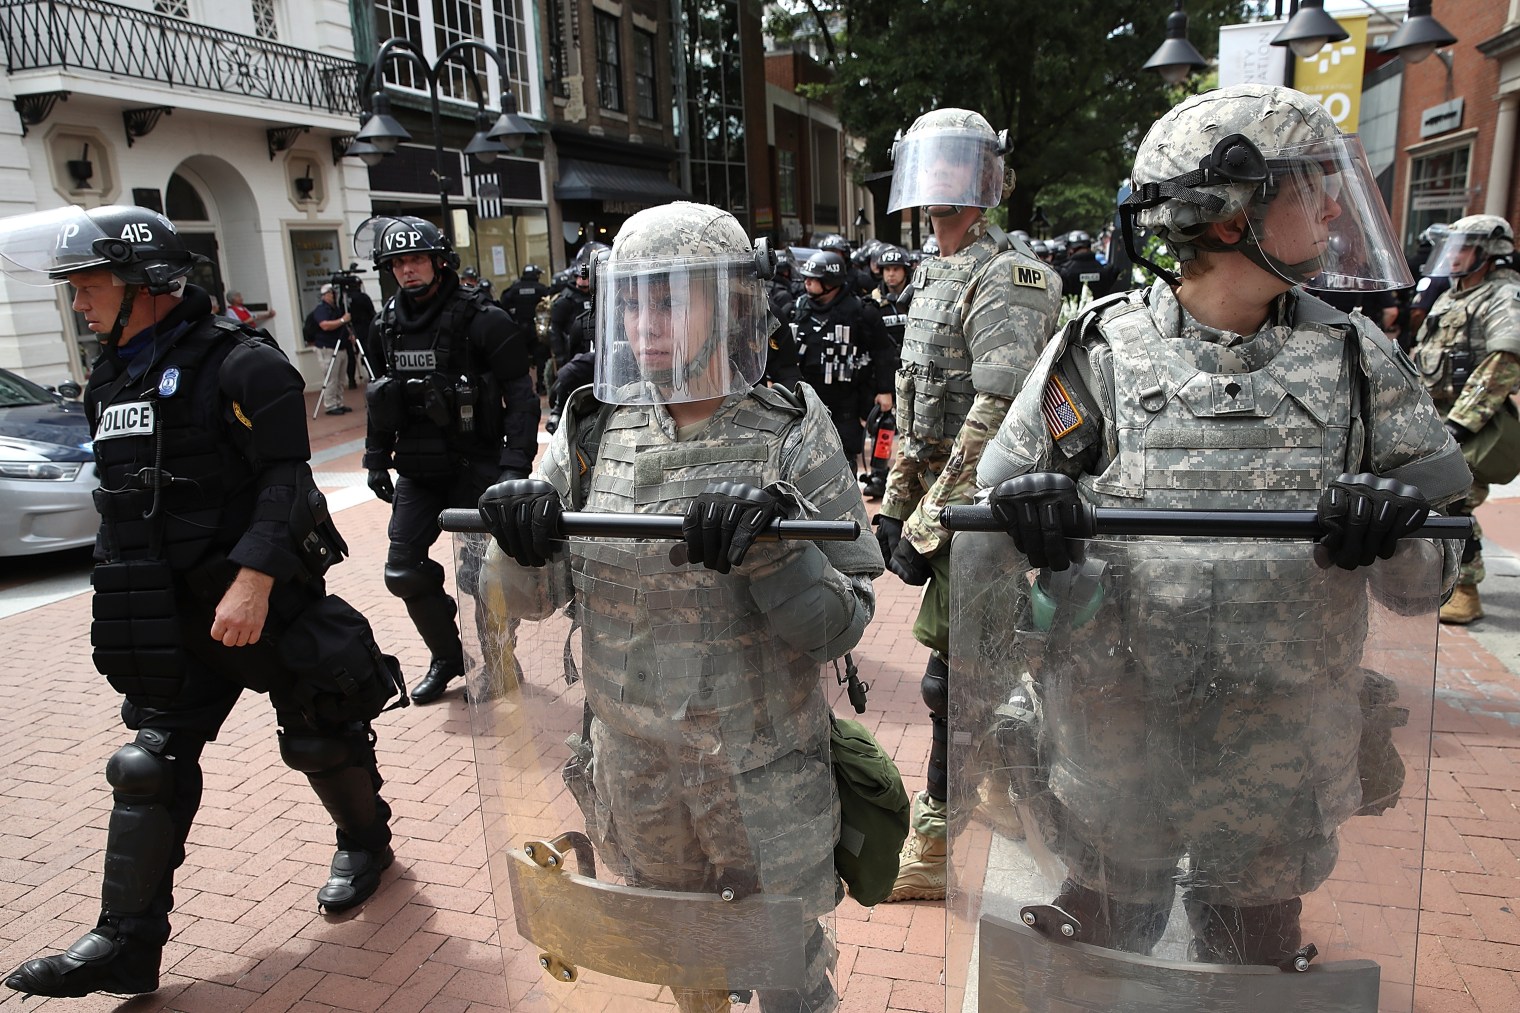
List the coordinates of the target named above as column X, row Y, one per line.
column 105, row 38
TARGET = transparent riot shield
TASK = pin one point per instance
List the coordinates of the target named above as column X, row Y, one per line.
column 655, row 778
column 1187, row 775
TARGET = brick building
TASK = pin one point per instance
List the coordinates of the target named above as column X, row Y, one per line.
column 1457, row 122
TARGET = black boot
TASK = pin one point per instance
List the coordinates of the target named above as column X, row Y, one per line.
column 1113, row 924
column 99, row 961
column 432, row 685
column 1269, row 934
column 353, row 878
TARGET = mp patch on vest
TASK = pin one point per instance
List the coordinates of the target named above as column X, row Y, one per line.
column 1029, row 277
column 134, row 418
column 416, row 361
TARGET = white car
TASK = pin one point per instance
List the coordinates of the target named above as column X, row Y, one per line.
column 47, row 469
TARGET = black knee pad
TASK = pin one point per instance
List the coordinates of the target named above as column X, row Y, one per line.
column 935, row 686
column 413, row 579
column 141, row 840
column 138, row 772
column 316, row 754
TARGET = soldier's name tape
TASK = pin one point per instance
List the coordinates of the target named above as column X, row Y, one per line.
column 610, row 525
column 1112, row 521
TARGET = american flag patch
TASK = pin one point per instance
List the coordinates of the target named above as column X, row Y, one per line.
column 1061, row 415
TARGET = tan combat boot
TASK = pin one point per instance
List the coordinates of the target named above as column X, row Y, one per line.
column 920, row 869
column 1463, row 607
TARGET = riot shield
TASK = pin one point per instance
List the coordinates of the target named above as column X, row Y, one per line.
column 1187, row 775
column 660, row 809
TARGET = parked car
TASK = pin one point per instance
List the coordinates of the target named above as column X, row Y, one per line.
column 47, row 469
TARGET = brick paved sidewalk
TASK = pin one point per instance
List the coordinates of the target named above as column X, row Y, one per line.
column 247, row 936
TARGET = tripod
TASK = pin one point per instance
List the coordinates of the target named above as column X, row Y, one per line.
column 341, row 305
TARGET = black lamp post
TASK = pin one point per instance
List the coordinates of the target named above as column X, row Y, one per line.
column 1420, row 34
column 380, row 133
column 1309, row 30
column 1176, row 58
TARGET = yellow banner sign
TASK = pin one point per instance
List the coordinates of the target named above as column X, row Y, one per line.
column 1333, row 76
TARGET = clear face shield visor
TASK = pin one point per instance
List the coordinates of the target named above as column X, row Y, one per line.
column 45, row 247
column 677, row 330
column 1456, row 255
column 962, row 168
column 1324, row 224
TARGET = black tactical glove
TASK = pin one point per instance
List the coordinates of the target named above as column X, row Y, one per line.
column 380, row 484
column 721, row 524
column 524, row 516
column 1363, row 517
column 910, row 564
column 1459, row 432
column 1040, row 511
column 888, row 535
column 552, row 424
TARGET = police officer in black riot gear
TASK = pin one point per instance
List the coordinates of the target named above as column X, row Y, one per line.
column 520, row 301
column 212, row 548
column 455, row 412
column 1083, row 268
column 893, row 297
column 842, row 348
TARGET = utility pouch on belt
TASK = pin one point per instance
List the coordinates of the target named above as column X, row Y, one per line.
column 1493, row 453
column 339, row 673
column 135, row 632
column 873, row 812
column 383, row 399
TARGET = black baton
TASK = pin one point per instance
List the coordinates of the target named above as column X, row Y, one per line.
column 1302, row 524
column 605, row 525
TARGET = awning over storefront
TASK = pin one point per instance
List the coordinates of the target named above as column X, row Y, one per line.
column 620, row 184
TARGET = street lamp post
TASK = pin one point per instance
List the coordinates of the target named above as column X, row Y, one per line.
column 380, row 133
column 1176, row 58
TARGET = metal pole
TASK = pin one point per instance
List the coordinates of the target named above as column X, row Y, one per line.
column 1302, row 524
column 609, row 525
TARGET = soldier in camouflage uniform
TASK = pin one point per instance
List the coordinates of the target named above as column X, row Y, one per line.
column 1469, row 356
column 981, row 311
column 1231, row 388
column 709, row 727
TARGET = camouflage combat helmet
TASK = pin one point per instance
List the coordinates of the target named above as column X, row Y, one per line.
column 688, row 247
column 1202, row 180
column 1490, row 233
column 958, row 135
column 1271, row 161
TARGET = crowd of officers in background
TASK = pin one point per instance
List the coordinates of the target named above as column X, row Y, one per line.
column 845, row 307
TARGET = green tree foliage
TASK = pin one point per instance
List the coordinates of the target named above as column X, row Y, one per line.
column 1063, row 76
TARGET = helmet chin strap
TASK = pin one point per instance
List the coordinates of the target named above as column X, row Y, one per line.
column 123, row 314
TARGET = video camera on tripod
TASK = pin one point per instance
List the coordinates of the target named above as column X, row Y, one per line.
column 344, row 281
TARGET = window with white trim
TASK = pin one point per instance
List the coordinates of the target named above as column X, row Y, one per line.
column 645, row 87
column 1438, row 191
column 434, row 25
column 609, row 63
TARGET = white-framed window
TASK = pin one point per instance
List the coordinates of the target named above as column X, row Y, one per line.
column 434, row 25
column 173, row 8
column 609, row 62
column 645, row 86
column 265, row 20
column 1439, row 184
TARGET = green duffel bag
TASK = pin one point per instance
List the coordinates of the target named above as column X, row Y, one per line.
column 1493, row 452
column 873, row 812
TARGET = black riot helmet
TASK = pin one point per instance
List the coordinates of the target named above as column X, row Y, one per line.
column 835, row 243
column 827, row 267
column 532, row 272
column 386, row 237
column 140, row 247
column 584, row 257
column 1076, row 240
column 892, row 256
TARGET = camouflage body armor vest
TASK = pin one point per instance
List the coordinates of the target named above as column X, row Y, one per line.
column 678, row 652
column 1271, row 439
column 1455, row 340
column 934, row 388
